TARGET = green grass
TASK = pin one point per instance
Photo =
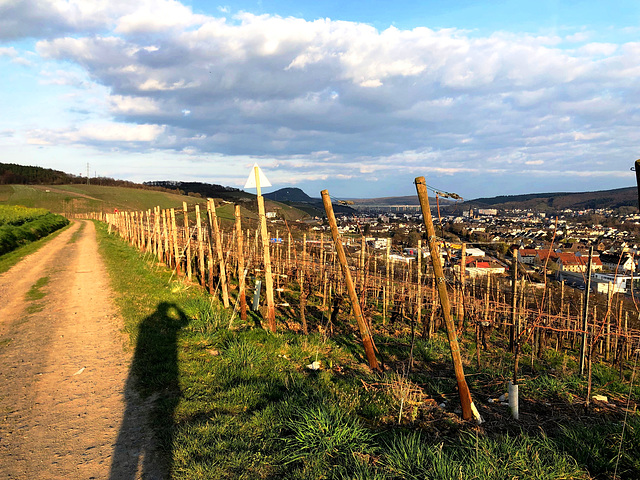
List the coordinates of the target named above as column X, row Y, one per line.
column 36, row 292
column 87, row 198
column 8, row 260
column 241, row 403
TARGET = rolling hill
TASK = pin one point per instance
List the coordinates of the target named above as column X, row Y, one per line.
column 545, row 202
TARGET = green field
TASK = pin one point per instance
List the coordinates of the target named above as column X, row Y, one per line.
column 72, row 199
column 77, row 199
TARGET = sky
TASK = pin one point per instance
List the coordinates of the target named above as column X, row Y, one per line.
column 360, row 98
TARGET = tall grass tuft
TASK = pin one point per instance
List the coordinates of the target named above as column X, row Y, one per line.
column 206, row 317
column 595, row 447
column 325, row 436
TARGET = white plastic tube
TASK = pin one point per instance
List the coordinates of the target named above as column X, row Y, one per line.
column 513, row 400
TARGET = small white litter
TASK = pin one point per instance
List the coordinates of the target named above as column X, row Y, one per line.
column 601, row 398
column 314, row 366
column 79, row 371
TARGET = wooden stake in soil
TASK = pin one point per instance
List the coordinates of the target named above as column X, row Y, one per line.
column 419, row 289
column 241, row 272
column 200, row 245
column 463, row 266
column 271, row 310
column 213, row 220
column 515, row 331
column 187, row 239
column 174, row 231
column 585, row 314
column 468, row 408
column 355, row 304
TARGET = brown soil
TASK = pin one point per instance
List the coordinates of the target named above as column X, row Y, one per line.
column 64, row 366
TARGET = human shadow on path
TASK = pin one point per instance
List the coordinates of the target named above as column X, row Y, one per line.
column 144, row 445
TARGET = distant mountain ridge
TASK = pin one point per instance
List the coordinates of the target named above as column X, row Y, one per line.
column 619, row 197
column 297, row 198
column 290, row 194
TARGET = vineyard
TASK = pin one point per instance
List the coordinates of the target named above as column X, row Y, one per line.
column 573, row 355
column 394, row 294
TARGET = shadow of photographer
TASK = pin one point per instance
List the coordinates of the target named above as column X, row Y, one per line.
column 143, row 448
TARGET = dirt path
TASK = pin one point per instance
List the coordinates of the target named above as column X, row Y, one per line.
column 63, row 368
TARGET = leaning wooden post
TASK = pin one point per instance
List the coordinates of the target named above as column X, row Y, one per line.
column 367, row 340
column 241, row 271
column 469, row 410
column 213, row 221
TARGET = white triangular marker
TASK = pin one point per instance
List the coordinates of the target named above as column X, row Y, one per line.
column 251, row 181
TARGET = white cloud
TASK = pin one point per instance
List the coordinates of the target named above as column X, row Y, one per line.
column 151, row 16
column 8, row 52
column 98, row 133
column 390, row 101
column 129, row 105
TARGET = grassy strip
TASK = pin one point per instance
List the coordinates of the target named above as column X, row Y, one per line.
column 36, row 293
column 8, row 260
column 76, row 235
column 242, row 403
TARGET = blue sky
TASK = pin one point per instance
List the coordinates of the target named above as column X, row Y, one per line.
column 482, row 98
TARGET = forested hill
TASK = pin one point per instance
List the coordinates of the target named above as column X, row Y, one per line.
column 11, row 173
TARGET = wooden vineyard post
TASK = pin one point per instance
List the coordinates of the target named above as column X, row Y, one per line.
column 608, row 321
column 585, row 314
column 361, row 272
column 469, row 410
column 387, row 289
column 367, row 340
column 168, row 242
column 419, row 289
column 271, row 310
column 241, row 271
column 165, row 238
column 200, row 245
column 304, row 257
column 288, row 252
column 213, row 221
column 463, row 268
column 187, row 239
column 514, row 301
column 148, row 245
column 174, row 230
column 158, row 249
